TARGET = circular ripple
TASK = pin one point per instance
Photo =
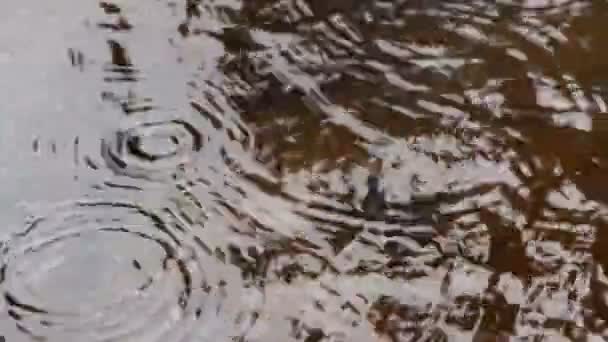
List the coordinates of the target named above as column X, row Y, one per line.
column 107, row 271
column 152, row 150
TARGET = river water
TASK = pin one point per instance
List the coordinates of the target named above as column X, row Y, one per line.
column 303, row 170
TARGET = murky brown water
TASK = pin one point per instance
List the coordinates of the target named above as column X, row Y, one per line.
column 304, row 170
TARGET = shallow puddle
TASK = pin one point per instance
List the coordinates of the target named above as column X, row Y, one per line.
column 303, row 170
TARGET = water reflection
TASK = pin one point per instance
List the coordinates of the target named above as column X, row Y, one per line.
column 305, row 171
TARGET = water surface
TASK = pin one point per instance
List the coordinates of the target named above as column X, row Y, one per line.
column 303, row 170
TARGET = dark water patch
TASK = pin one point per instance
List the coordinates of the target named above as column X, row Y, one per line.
column 120, row 24
column 120, row 68
column 76, row 58
column 129, row 104
column 109, row 8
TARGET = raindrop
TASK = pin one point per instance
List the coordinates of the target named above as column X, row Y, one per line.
column 152, row 150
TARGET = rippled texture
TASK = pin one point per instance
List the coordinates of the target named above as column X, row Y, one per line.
column 303, row 170
column 129, row 154
column 112, row 242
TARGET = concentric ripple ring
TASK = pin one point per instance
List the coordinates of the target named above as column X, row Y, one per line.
column 152, row 150
column 108, row 271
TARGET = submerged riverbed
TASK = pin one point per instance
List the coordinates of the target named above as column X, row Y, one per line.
column 303, row 170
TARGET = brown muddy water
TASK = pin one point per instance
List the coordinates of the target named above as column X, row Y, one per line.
column 303, row 170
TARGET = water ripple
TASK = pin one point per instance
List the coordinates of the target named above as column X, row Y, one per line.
column 139, row 276
column 391, row 170
column 152, row 149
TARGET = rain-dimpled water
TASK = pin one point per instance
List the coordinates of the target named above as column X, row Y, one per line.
column 303, row 170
